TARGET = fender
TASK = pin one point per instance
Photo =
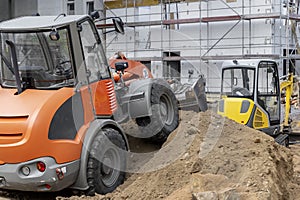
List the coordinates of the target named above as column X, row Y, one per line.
column 138, row 97
column 93, row 130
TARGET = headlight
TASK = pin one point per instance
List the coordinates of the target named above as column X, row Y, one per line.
column 25, row 170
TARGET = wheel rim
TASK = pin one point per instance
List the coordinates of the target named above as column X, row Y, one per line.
column 110, row 167
column 166, row 110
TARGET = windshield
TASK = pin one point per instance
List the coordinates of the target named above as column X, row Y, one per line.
column 238, row 82
column 43, row 63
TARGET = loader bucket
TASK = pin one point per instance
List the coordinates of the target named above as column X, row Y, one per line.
column 199, row 90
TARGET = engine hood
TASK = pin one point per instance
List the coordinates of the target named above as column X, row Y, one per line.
column 25, row 123
column 32, row 108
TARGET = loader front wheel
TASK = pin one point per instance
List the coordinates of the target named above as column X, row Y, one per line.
column 106, row 162
column 165, row 115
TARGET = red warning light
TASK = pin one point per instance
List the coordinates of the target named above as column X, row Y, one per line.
column 41, row 166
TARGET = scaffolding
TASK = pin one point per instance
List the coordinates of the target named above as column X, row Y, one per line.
column 208, row 32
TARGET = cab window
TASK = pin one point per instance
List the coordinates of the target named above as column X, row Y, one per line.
column 238, row 82
column 93, row 53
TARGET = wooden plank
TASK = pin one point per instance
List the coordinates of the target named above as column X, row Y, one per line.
column 129, row 3
column 231, row 1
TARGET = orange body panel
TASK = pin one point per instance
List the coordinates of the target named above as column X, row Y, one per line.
column 135, row 70
column 104, row 97
column 24, row 124
column 86, row 101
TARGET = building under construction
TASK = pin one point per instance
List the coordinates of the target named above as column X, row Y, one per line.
column 174, row 37
column 185, row 39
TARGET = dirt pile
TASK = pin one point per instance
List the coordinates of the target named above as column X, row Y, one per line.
column 213, row 158
column 207, row 158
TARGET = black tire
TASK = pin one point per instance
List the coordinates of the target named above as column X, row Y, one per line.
column 165, row 115
column 108, row 147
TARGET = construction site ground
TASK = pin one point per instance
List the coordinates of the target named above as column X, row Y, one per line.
column 206, row 157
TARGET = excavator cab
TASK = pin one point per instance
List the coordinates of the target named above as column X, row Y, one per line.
column 250, row 94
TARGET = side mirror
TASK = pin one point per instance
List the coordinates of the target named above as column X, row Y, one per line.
column 118, row 25
column 121, row 66
column 54, row 35
column 117, row 22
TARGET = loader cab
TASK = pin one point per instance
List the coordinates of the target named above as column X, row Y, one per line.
column 250, row 94
column 62, row 52
column 55, row 52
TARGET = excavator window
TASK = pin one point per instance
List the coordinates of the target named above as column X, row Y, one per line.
column 238, row 82
column 268, row 90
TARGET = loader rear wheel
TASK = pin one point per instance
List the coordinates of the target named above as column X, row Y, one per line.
column 165, row 116
column 106, row 162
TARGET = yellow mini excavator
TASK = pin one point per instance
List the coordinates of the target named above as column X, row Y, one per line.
column 251, row 94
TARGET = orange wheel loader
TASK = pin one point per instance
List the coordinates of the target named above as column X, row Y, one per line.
column 190, row 96
column 57, row 100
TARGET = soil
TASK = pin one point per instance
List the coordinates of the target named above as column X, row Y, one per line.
column 206, row 157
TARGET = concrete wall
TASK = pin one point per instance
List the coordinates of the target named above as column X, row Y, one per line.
column 12, row 8
column 24, row 7
column 264, row 36
column 53, row 7
column 259, row 36
column 5, row 10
